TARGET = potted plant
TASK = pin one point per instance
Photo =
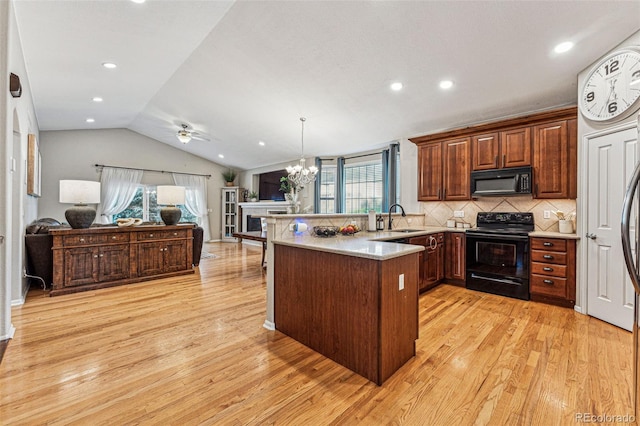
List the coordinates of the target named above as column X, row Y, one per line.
column 229, row 176
column 253, row 196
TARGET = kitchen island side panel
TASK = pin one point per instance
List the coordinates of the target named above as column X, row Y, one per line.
column 334, row 304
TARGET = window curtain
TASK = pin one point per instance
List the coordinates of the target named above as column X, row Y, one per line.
column 318, row 186
column 117, row 187
column 195, row 198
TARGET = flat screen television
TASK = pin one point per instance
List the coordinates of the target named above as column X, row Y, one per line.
column 270, row 186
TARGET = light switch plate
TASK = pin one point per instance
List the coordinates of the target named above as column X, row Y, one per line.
column 458, row 213
column 546, row 214
column 401, row 282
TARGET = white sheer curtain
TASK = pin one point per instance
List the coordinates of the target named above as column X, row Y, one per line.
column 118, row 187
column 195, row 198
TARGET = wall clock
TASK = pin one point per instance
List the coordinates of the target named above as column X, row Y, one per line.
column 612, row 88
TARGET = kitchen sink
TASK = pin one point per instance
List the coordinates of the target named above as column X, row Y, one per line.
column 406, row 231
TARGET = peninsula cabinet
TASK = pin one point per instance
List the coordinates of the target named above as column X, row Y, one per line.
column 444, row 170
column 509, row 148
column 431, row 260
column 97, row 257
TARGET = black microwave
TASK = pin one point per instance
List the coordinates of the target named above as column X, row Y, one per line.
column 501, row 182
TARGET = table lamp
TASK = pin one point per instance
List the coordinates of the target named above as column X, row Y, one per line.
column 80, row 193
column 169, row 196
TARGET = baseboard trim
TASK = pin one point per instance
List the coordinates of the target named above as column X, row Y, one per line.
column 269, row 325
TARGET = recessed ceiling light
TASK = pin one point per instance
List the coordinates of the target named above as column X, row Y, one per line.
column 261, row 143
column 97, row 99
column 446, row 84
column 396, row 86
column 220, row 155
column 138, row 1
column 90, row 120
column 109, row 65
column 563, row 47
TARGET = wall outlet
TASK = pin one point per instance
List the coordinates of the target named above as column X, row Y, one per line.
column 409, row 220
column 458, row 213
column 546, row 214
column 401, row 282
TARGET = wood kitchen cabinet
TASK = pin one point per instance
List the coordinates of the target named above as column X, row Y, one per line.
column 509, row 148
column 546, row 141
column 444, row 170
column 553, row 271
column 431, row 260
column 455, row 255
column 555, row 159
column 85, row 259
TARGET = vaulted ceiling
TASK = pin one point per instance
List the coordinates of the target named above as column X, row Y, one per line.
column 245, row 71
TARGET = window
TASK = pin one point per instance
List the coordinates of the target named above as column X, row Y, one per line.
column 358, row 184
column 328, row 189
column 145, row 207
column 364, row 187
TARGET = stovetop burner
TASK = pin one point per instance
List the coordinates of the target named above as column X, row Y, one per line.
column 504, row 223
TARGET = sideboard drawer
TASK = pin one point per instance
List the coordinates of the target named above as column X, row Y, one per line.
column 161, row 235
column 83, row 240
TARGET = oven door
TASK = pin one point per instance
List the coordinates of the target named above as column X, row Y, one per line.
column 498, row 264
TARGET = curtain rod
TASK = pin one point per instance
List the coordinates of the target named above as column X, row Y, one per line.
column 150, row 170
column 359, row 156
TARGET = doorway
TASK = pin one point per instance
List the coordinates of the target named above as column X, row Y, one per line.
column 612, row 156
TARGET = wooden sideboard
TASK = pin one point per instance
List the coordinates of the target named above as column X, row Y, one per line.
column 98, row 257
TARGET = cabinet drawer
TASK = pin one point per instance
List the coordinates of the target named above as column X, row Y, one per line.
column 83, row 240
column 161, row 235
column 549, row 244
column 548, row 257
column 549, row 269
column 550, row 286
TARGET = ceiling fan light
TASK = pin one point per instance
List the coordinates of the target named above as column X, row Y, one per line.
column 184, row 136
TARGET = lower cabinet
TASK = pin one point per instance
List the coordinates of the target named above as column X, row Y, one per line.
column 553, row 271
column 455, row 254
column 431, row 259
column 85, row 259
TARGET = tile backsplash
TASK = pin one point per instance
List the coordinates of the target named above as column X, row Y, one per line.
column 438, row 212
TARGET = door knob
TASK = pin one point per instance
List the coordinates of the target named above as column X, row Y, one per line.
column 591, row 236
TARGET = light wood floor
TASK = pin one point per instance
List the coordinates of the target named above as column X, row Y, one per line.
column 192, row 350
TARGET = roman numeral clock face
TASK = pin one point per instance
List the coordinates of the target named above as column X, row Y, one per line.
column 612, row 88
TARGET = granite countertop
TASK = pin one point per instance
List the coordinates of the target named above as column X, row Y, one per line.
column 370, row 245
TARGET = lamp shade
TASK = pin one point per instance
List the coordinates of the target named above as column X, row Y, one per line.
column 170, row 195
column 79, row 192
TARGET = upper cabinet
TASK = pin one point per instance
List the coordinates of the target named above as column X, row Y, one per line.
column 509, row 148
column 555, row 157
column 444, row 170
column 546, row 141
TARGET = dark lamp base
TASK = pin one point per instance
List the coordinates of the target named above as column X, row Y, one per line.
column 80, row 216
column 170, row 215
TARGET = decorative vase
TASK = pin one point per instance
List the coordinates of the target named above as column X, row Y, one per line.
column 228, row 183
column 294, row 205
column 565, row 226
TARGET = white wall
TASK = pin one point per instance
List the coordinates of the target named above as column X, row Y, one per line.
column 71, row 154
column 409, row 176
column 586, row 128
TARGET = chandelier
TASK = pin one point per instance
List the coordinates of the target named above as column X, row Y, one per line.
column 300, row 175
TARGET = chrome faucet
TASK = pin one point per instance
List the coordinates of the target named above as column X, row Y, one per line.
column 391, row 208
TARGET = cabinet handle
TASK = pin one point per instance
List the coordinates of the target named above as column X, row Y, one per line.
column 547, row 256
column 548, row 282
column 547, row 244
column 95, row 256
column 504, row 160
column 433, row 243
column 150, row 235
column 175, row 234
column 114, row 237
column 82, row 240
column 548, row 269
column 101, row 255
column 161, row 249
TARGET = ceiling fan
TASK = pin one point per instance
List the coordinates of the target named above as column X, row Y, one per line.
column 185, row 135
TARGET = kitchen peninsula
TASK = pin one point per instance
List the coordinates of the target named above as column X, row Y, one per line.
column 353, row 299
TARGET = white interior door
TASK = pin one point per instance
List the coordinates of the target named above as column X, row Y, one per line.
column 612, row 159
